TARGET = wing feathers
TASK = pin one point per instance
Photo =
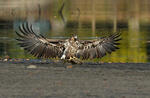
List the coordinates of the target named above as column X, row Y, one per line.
column 99, row 48
column 40, row 46
column 37, row 45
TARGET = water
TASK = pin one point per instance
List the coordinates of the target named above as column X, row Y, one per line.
column 60, row 19
column 134, row 46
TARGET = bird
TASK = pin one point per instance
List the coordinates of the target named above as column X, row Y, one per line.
column 72, row 50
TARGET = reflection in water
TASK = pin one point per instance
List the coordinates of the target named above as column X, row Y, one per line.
column 132, row 48
column 90, row 19
column 39, row 26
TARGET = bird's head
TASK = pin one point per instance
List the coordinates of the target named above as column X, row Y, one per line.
column 74, row 37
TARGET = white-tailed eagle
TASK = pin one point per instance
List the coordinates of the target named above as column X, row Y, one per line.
column 39, row 46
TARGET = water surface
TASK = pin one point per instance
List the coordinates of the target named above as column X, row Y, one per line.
column 134, row 46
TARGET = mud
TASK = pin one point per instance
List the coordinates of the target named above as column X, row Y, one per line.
column 46, row 79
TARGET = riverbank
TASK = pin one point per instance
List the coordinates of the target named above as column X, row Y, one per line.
column 28, row 79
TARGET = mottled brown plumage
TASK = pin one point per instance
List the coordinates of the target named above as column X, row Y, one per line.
column 40, row 46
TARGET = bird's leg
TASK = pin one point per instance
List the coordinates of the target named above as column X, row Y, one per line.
column 75, row 60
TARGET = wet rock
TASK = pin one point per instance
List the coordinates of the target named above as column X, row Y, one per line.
column 32, row 66
column 69, row 66
column 5, row 60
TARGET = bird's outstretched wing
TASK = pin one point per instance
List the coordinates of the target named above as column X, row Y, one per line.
column 38, row 45
column 98, row 48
